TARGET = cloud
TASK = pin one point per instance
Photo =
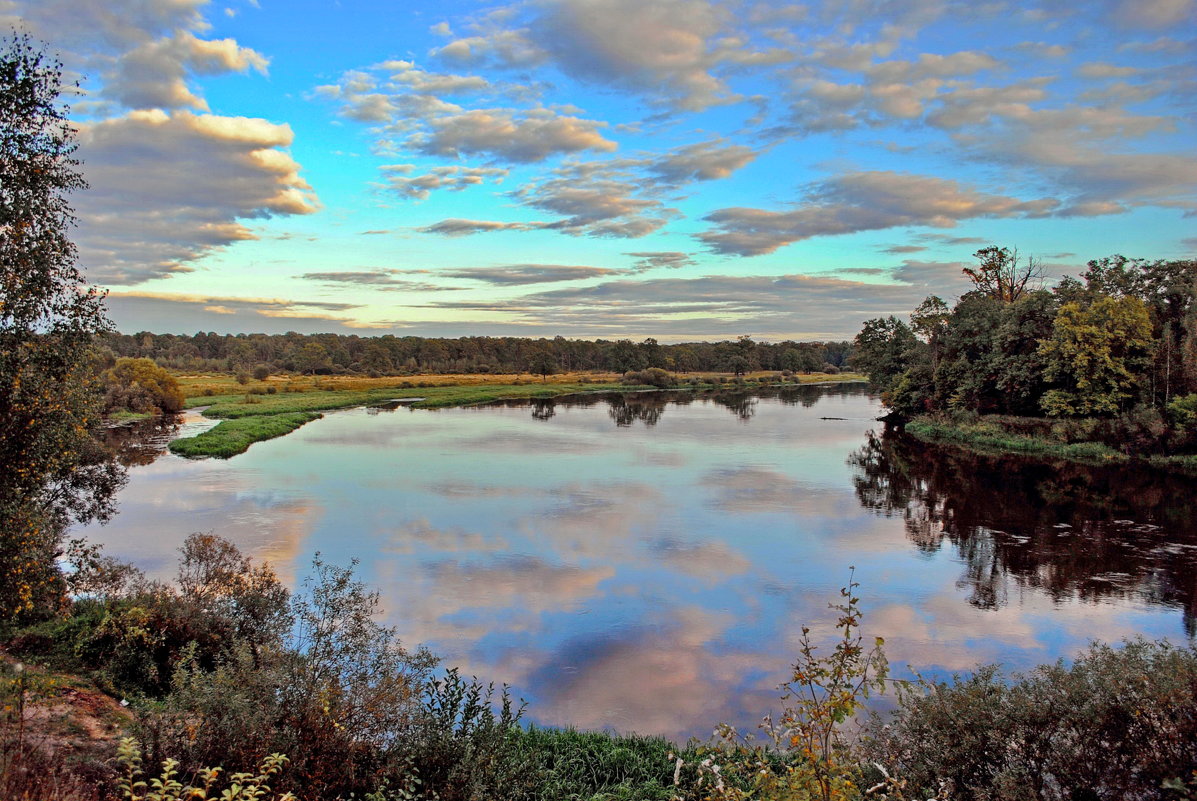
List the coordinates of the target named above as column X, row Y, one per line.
column 1104, row 69
column 704, row 161
column 181, row 313
column 652, row 259
column 407, row 103
column 1153, row 13
column 456, row 226
column 946, row 239
column 659, row 48
column 861, row 201
column 167, row 189
column 532, row 136
column 714, row 306
column 141, row 54
column 901, row 249
column 523, row 274
column 380, row 279
column 448, row 177
column 509, row 48
column 153, row 75
column 601, row 205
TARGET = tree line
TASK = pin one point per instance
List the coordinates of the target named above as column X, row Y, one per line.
column 1120, row 343
column 324, row 354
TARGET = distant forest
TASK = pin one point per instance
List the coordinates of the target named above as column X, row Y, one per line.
column 331, row 354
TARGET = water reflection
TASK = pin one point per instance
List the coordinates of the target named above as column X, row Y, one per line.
column 1069, row 530
column 142, row 441
column 646, row 561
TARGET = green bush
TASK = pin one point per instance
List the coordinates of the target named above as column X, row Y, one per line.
column 140, row 385
column 1116, row 724
column 653, row 377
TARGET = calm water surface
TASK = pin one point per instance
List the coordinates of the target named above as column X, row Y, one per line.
column 645, row 562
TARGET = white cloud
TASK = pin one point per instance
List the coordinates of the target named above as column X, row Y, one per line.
column 166, row 189
column 861, row 201
column 703, row 161
column 452, row 178
column 532, row 136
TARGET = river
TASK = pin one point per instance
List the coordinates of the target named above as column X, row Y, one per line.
column 645, row 562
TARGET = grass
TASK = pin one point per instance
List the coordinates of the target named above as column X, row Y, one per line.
column 573, row 765
column 232, row 437
column 989, row 437
column 291, row 397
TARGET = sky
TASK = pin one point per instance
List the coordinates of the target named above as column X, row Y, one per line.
column 680, row 169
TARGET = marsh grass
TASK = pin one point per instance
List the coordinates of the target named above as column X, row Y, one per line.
column 234, row 436
column 991, row 437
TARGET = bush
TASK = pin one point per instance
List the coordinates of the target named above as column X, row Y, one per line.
column 653, row 377
column 261, row 372
column 140, row 385
column 1116, row 724
column 335, row 693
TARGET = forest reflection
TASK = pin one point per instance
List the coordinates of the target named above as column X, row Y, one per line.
column 1071, row 531
column 628, row 408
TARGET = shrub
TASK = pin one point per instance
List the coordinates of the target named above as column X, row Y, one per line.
column 1183, row 411
column 261, row 372
column 140, row 385
column 808, row 753
column 247, row 786
column 653, row 377
column 1117, row 723
column 335, row 694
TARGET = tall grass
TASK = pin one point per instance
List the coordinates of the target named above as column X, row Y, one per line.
column 988, row 437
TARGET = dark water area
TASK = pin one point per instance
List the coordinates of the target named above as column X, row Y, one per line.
column 1070, row 531
column 646, row 561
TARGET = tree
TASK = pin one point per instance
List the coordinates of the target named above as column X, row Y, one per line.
column 1000, row 275
column 54, row 471
column 311, row 358
column 543, row 364
column 1095, row 355
column 883, row 350
column 139, row 385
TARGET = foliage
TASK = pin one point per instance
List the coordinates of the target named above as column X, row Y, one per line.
column 1116, row 723
column 140, row 385
column 1094, row 356
column 391, row 355
column 651, row 377
column 885, row 349
column 334, row 692
column 1183, row 411
column 808, row 753
column 459, row 748
column 999, row 274
column 55, row 471
column 1118, row 347
column 249, row 786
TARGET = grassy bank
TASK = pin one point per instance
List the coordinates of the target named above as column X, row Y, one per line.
column 232, row 437
column 996, row 435
column 248, row 415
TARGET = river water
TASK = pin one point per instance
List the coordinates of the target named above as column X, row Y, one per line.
column 645, row 562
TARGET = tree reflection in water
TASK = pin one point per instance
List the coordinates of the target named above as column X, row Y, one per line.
column 142, row 441
column 1072, row 531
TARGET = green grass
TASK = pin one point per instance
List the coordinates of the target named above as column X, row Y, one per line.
column 234, row 436
column 572, row 765
column 990, row 438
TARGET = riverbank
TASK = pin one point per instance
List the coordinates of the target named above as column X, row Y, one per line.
column 1036, row 438
column 248, row 416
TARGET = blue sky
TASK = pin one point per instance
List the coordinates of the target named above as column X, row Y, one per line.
column 681, row 169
